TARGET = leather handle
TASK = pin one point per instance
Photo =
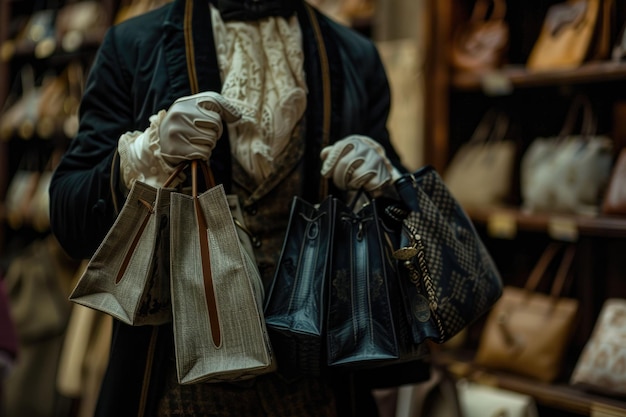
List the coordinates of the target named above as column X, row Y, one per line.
column 541, row 266
column 563, row 271
column 205, row 254
column 539, row 271
column 580, row 107
column 174, row 174
column 481, row 10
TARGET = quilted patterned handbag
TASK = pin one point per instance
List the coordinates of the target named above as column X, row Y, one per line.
column 450, row 279
column 602, row 363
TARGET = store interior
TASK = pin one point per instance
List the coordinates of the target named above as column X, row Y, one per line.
column 520, row 106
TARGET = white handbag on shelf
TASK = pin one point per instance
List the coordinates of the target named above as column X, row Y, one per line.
column 569, row 172
column 478, row 400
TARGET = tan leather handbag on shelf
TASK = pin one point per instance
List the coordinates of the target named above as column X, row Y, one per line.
column 527, row 332
column 482, row 42
column 573, row 31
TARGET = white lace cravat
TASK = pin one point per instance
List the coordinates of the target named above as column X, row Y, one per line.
column 261, row 65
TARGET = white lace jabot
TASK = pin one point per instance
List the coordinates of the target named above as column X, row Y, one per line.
column 261, row 66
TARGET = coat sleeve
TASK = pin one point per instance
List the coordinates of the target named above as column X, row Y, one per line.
column 366, row 90
column 84, row 185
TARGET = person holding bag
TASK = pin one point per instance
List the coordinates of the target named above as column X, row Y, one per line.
column 277, row 98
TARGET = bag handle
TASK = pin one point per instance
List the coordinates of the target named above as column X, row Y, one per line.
column 539, row 271
column 492, row 127
column 481, row 9
column 209, row 289
column 581, row 106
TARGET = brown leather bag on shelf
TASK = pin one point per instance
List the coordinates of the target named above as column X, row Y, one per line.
column 573, row 31
column 527, row 332
column 482, row 42
column 614, row 201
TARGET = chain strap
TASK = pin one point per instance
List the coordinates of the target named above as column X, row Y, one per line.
column 417, row 250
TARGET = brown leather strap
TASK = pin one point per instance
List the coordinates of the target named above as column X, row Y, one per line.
column 209, row 290
column 563, row 271
column 174, row 174
column 580, row 107
column 326, row 89
column 540, row 268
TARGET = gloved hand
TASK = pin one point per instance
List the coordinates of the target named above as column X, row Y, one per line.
column 188, row 130
column 358, row 162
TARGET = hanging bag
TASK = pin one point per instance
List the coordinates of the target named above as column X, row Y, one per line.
column 481, row 172
column 294, row 312
column 128, row 275
column 296, row 302
column 217, row 293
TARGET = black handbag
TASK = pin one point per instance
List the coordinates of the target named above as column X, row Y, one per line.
column 450, row 279
column 366, row 322
column 295, row 305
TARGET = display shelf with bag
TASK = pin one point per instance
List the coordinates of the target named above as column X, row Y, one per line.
column 538, row 92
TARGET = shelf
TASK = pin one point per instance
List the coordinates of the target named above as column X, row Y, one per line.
column 505, row 222
column 558, row 395
column 512, row 77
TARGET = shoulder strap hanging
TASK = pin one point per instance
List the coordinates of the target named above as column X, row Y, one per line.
column 326, row 91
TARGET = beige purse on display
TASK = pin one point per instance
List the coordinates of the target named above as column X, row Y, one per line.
column 481, row 171
column 602, row 363
column 128, row 275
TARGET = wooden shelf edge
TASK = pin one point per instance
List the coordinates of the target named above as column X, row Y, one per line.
column 559, row 395
column 520, row 77
column 602, row 226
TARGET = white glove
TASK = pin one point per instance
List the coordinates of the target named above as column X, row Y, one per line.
column 357, row 162
column 188, row 130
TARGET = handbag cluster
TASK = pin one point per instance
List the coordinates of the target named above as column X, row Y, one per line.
column 179, row 258
column 363, row 288
column 358, row 288
column 572, row 32
column 574, row 171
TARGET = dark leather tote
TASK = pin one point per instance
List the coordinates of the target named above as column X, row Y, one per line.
column 367, row 327
column 295, row 306
column 449, row 278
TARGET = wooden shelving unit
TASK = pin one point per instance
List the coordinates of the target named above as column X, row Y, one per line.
column 558, row 395
column 455, row 103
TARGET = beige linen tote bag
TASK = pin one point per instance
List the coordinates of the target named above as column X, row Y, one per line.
column 128, row 275
column 217, row 294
